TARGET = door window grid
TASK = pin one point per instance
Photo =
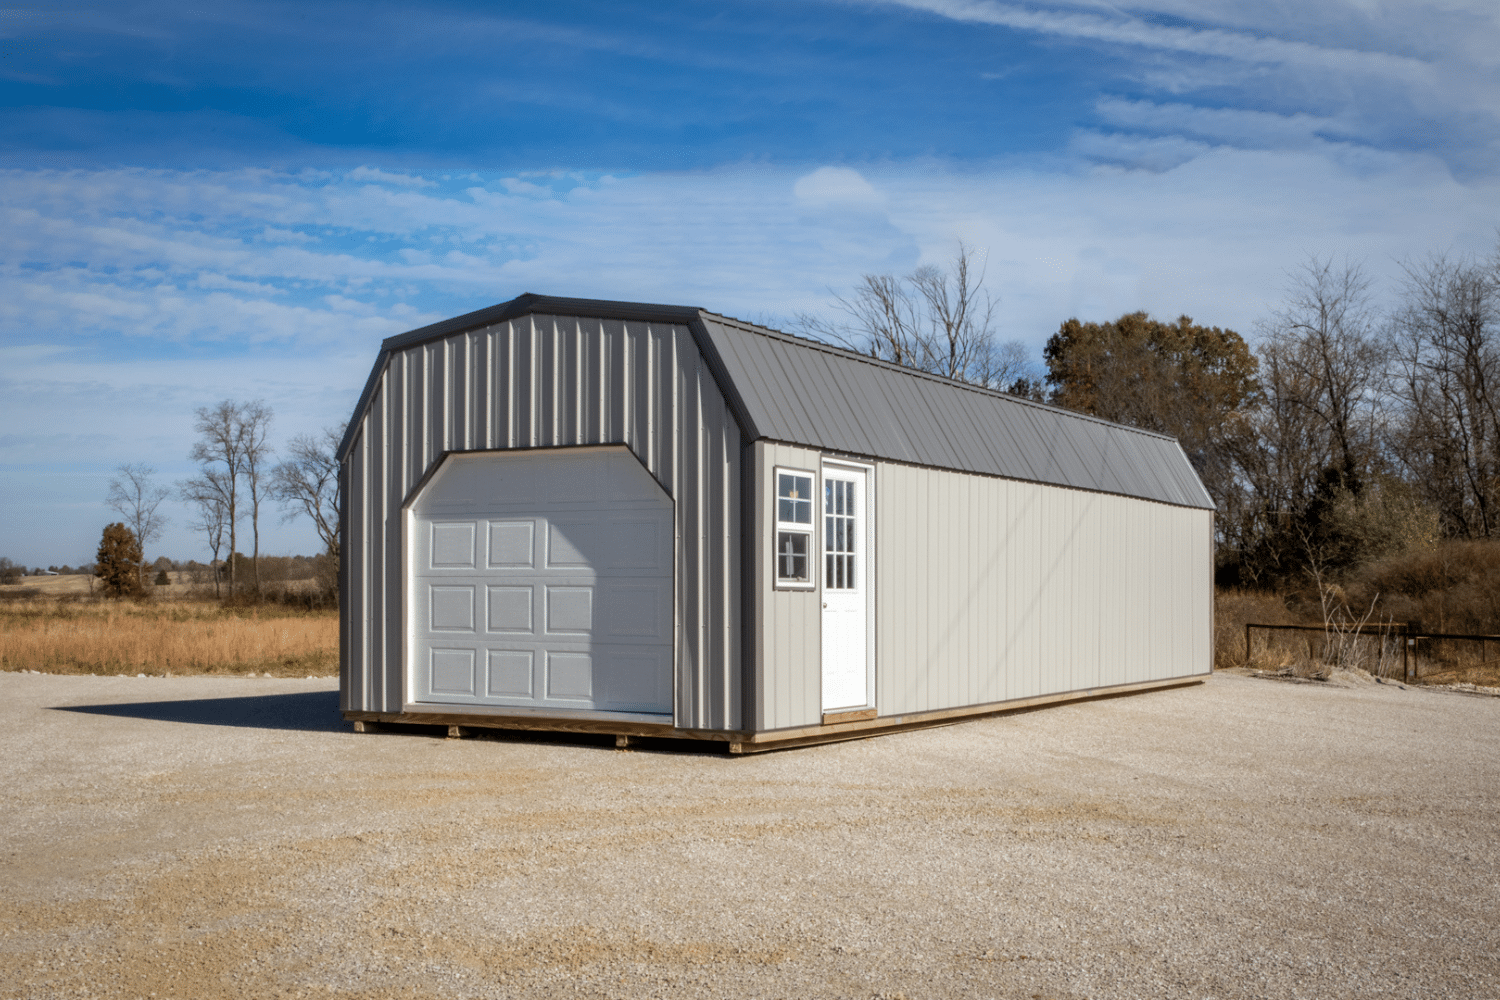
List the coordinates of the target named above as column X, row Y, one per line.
column 840, row 529
column 794, row 528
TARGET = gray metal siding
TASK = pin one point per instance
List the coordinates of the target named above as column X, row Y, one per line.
column 991, row 589
column 538, row 382
column 788, row 624
column 802, row 393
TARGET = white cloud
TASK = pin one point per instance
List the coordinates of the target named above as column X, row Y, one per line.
column 374, row 175
column 839, row 186
column 1234, row 126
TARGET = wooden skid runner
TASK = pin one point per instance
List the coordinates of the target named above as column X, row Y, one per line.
column 863, row 724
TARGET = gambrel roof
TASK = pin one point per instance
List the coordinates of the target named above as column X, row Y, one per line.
column 802, row 392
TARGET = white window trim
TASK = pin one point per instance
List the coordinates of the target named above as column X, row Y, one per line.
column 814, row 566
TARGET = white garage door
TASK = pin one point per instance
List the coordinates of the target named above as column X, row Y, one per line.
column 542, row 580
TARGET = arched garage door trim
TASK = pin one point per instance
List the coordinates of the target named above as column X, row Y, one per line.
column 540, row 582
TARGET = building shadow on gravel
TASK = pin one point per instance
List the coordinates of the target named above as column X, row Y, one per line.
column 308, row 712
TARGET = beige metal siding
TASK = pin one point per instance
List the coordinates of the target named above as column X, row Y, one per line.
column 543, row 382
column 991, row 589
column 787, row 646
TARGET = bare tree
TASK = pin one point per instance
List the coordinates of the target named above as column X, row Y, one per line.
column 137, row 498
column 958, row 338
column 1278, row 458
column 1324, row 340
column 934, row 320
column 308, row 484
column 255, row 425
column 209, row 497
column 1445, row 345
column 232, row 443
column 1312, row 447
column 886, row 322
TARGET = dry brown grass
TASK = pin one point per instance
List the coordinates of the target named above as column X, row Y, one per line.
column 1450, row 587
column 1233, row 609
column 1453, row 586
column 179, row 637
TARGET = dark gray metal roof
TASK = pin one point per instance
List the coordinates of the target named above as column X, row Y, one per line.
column 798, row 391
column 803, row 392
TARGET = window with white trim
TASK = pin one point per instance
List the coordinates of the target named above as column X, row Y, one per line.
column 795, row 560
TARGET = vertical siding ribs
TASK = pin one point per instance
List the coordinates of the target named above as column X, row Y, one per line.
column 539, row 381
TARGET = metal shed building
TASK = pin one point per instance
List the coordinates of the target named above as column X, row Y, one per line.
column 653, row 520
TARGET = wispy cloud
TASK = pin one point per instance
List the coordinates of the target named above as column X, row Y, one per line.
column 1374, row 75
column 1236, row 126
column 1119, row 28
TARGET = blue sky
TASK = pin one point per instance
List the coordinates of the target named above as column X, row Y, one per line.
column 240, row 201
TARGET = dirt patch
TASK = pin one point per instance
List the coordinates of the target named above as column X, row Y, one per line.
column 217, row 837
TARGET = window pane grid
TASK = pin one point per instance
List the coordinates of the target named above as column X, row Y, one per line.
column 794, row 497
column 840, row 529
column 795, row 548
column 791, row 555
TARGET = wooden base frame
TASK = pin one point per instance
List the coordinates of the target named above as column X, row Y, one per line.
column 834, row 728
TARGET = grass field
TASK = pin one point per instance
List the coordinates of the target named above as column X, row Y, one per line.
column 65, row 631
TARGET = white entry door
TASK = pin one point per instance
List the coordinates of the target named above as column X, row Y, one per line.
column 846, row 592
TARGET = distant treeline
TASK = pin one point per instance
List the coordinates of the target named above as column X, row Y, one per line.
column 273, row 568
column 1342, row 434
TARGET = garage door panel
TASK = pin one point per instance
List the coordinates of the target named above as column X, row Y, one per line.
column 637, row 679
column 452, row 672
column 570, row 611
column 567, row 595
column 469, row 485
column 512, row 544
column 570, row 676
column 638, row 610
column 511, row 674
column 573, row 482
column 576, row 543
column 452, row 545
column 452, row 608
column 510, row 608
column 639, row 543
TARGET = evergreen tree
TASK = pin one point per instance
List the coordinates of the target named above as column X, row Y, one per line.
column 118, row 564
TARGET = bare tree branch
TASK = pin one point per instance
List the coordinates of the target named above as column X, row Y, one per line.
column 137, row 498
column 1445, row 380
column 1324, row 339
column 308, row 483
column 209, row 497
column 934, row 320
column 232, row 442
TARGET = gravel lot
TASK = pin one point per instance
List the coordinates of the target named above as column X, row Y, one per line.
column 208, row 837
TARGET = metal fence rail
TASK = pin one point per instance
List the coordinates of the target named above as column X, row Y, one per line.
column 1409, row 635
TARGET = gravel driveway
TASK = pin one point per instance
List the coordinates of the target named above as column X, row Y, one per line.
column 216, row 837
